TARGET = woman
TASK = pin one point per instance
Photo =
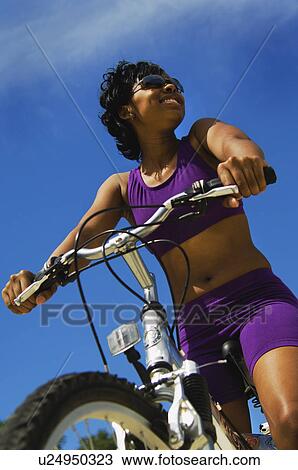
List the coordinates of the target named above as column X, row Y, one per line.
column 232, row 291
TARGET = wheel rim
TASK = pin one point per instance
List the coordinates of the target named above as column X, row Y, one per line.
column 121, row 424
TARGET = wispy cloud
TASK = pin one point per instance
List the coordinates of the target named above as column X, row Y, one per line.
column 73, row 33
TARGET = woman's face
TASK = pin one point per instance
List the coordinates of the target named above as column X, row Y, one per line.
column 162, row 108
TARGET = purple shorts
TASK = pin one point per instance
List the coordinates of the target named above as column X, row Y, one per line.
column 257, row 308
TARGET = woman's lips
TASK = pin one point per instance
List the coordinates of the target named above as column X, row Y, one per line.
column 171, row 102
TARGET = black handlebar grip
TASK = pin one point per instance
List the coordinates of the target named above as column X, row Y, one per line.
column 270, row 175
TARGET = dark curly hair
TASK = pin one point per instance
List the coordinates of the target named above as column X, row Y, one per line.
column 116, row 91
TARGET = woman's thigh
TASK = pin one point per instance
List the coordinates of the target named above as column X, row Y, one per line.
column 276, row 377
column 276, row 325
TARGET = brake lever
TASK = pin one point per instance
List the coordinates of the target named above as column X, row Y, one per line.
column 45, row 278
column 30, row 290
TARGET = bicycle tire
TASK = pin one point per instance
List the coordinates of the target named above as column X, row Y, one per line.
column 40, row 415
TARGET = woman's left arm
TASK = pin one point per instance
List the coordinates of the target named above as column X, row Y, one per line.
column 242, row 160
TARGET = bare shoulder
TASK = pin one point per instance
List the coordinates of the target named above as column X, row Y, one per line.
column 117, row 181
column 199, row 130
column 122, row 180
column 197, row 137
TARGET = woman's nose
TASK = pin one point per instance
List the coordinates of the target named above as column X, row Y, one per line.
column 170, row 87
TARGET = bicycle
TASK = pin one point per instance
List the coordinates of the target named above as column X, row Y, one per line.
column 135, row 412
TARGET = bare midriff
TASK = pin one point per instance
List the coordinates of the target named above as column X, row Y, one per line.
column 217, row 255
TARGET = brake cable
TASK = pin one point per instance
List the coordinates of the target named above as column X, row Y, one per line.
column 105, row 259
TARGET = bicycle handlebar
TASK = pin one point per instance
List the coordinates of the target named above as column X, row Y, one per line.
column 200, row 190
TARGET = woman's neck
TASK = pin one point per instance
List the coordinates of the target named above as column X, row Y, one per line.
column 157, row 153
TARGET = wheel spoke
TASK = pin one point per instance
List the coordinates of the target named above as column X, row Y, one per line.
column 80, row 439
column 89, row 436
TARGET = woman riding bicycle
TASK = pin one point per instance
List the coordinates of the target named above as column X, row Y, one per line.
column 232, row 292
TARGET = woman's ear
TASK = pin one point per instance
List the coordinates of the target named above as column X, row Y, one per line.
column 125, row 112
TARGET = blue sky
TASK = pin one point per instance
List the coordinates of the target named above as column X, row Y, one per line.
column 52, row 164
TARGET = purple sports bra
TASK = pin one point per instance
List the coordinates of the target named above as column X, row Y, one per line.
column 187, row 171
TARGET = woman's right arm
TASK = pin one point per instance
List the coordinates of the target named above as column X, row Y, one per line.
column 108, row 195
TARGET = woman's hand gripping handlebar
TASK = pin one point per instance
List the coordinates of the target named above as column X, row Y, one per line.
column 46, row 280
column 19, row 292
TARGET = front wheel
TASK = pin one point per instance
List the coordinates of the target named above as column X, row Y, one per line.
column 89, row 410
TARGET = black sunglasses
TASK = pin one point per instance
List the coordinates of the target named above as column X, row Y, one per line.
column 157, row 81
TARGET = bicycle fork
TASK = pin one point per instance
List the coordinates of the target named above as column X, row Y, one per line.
column 176, row 380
